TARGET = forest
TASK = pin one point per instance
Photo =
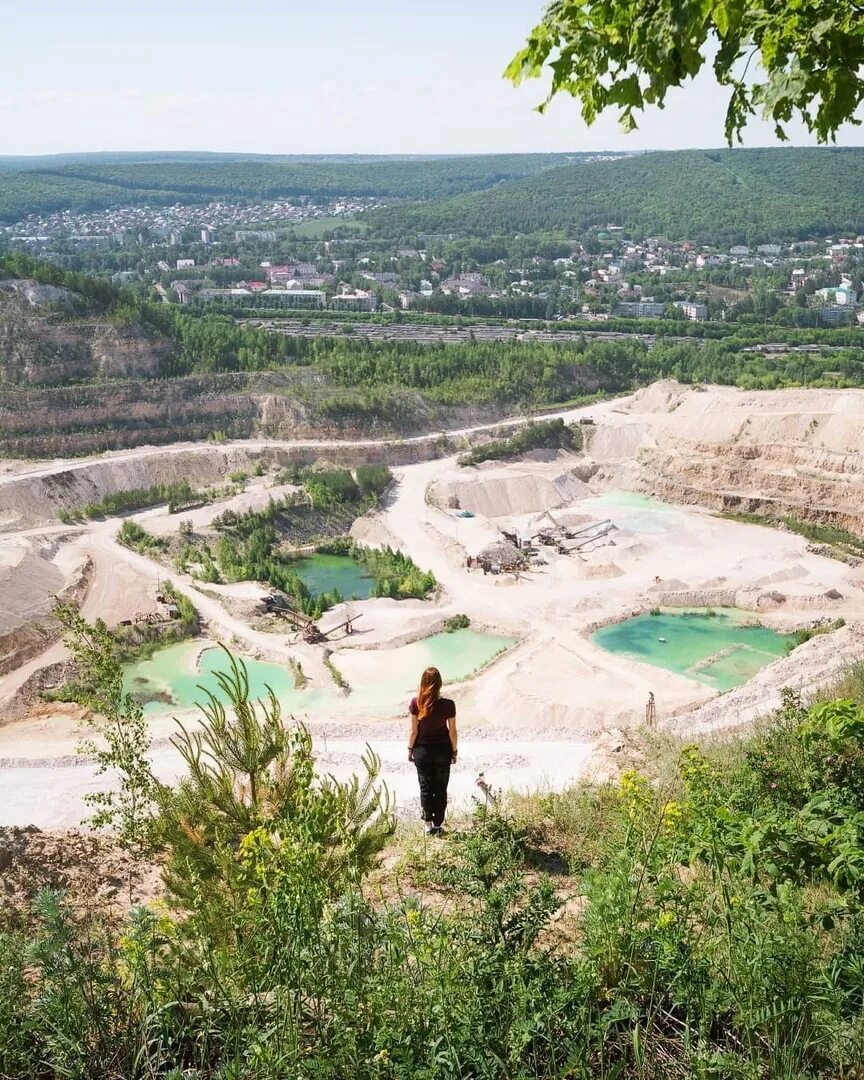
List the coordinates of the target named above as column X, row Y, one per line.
column 358, row 377
column 717, row 197
column 81, row 186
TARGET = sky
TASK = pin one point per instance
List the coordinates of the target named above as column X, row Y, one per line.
column 321, row 76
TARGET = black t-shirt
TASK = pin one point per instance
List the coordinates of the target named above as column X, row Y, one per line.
column 432, row 730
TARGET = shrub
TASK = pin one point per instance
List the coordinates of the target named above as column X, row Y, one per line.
column 372, row 480
column 132, row 535
column 799, row 637
column 123, row 502
column 328, row 487
column 546, row 434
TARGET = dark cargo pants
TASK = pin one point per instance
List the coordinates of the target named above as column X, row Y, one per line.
column 433, row 772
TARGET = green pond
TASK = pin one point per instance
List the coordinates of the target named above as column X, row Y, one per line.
column 170, row 680
column 457, row 656
column 633, row 511
column 719, row 650
column 324, row 573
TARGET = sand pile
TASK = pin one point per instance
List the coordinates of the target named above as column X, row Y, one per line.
column 500, row 494
column 28, row 579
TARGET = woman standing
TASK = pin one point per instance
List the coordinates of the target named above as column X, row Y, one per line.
column 432, row 746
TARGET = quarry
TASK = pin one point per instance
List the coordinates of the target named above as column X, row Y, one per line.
column 656, row 575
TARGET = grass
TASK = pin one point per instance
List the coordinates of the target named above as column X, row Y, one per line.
column 315, row 228
column 841, row 541
column 299, row 676
column 336, row 675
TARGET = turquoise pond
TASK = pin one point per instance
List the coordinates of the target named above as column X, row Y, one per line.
column 719, row 650
column 633, row 511
column 171, row 680
column 170, row 677
column 324, row 573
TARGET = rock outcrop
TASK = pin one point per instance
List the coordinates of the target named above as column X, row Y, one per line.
column 781, row 452
column 43, row 343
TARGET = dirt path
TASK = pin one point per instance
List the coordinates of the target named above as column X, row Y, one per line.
column 228, row 626
column 509, row 765
column 16, row 471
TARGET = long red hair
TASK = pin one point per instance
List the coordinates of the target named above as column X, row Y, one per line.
column 429, row 692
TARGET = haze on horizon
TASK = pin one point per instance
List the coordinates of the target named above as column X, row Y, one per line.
column 403, row 78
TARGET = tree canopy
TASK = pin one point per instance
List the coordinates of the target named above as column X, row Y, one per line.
column 780, row 58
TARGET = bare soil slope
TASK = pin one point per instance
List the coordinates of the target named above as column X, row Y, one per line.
column 798, row 452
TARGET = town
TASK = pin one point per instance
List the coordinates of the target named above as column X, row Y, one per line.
column 253, row 256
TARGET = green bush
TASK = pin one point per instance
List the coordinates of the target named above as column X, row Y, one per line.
column 132, row 535
column 327, row 487
column 799, row 637
column 539, row 434
column 372, row 480
column 123, row 502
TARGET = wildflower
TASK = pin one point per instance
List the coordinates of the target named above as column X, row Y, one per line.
column 672, row 811
column 383, row 1056
column 665, row 919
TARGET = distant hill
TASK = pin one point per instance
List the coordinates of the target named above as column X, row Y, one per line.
column 714, row 196
column 95, row 182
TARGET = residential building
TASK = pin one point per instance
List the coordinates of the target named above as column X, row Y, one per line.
column 834, row 314
column 280, row 274
column 692, row 311
column 297, row 298
column 467, row 284
column 255, row 234
column 641, row 309
column 305, row 270
column 354, row 300
column 184, row 264
column 840, row 295
column 387, row 280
